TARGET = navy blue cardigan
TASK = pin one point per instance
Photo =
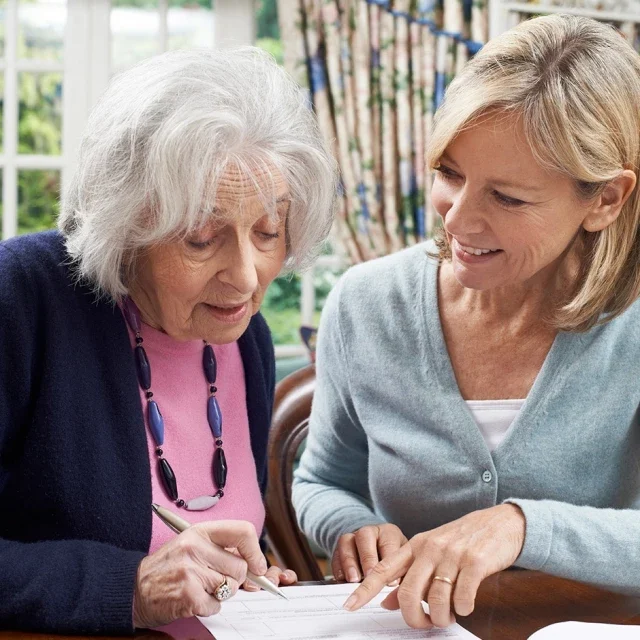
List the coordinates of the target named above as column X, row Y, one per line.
column 75, row 478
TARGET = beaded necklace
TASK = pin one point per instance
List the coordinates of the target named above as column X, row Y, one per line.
column 155, row 421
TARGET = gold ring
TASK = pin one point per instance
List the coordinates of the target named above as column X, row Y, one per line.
column 444, row 579
column 223, row 592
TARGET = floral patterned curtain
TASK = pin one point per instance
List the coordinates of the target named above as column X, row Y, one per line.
column 376, row 72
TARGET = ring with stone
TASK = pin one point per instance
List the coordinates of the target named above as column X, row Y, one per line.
column 223, row 592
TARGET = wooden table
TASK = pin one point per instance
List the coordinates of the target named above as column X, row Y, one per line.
column 510, row 606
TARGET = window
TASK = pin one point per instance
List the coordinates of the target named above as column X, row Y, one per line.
column 56, row 58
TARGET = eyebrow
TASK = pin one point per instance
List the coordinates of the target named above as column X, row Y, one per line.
column 498, row 182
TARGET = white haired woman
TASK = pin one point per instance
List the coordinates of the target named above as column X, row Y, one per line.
column 488, row 413
column 201, row 175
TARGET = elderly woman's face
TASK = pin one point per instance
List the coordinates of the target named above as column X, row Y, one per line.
column 493, row 195
column 210, row 285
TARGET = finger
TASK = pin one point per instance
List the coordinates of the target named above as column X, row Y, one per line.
column 440, row 593
column 250, row 586
column 367, row 546
column 412, row 592
column 336, row 564
column 336, row 567
column 348, row 553
column 288, row 577
column 384, row 572
column 219, row 560
column 391, row 601
column 239, row 534
column 204, row 605
column 389, row 541
column 467, row 585
column 214, row 579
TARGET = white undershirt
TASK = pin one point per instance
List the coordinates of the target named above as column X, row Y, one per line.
column 494, row 418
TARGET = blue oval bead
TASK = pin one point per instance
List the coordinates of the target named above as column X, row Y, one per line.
column 220, row 468
column 209, row 363
column 143, row 368
column 214, row 416
column 168, row 479
column 156, row 422
column 132, row 315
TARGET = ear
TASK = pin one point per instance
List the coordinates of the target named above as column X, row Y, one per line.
column 607, row 206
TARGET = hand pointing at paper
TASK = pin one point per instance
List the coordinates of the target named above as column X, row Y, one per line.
column 445, row 566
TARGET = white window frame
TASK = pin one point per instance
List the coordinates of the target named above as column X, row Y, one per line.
column 85, row 74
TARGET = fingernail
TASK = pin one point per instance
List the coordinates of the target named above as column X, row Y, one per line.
column 350, row 603
column 395, row 583
column 353, row 575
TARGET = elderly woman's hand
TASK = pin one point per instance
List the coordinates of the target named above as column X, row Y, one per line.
column 178, row 580
column 358, row 553
column 466, row 551
column 275, row 575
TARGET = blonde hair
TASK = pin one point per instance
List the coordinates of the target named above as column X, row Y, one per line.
column 575, row 84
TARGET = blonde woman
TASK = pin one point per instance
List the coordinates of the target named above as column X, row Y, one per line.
column 484, row 405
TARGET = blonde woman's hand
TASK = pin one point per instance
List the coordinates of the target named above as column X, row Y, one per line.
column 179, row 579
column 358, row 553
column 465, row 551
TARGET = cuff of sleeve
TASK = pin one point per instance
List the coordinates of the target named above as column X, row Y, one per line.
column 539, row 533
column 118, row 586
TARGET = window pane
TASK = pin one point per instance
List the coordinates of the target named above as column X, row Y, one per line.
column 3, row 4
column 1, row 114
column 41, row 29
column 267, row 28
column 190, row 24
column 135, row 32
column 38, row 200
column 40, row 113
column 281, row 309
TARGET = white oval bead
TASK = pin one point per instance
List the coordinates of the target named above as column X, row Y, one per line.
column 202, row 503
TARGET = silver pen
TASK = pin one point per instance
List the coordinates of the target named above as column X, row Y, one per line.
column 178, row 524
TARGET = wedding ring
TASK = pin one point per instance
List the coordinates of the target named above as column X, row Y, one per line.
column 223, row 592
column 444, row 579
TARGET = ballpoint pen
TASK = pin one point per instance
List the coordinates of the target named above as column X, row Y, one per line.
column 178, row 524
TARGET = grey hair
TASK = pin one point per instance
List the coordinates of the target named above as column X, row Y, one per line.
column 162, row 136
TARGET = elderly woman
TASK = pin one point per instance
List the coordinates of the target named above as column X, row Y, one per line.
column 201, row 175
column 485, row 404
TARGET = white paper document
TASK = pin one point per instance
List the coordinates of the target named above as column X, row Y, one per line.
column 587, row 631
column 315, row 613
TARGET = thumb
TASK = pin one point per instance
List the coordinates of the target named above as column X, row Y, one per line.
column 241, row 536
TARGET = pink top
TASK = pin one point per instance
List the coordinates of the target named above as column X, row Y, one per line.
column 180, row 388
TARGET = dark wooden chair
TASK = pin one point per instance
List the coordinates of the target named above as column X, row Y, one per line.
column 288, row 431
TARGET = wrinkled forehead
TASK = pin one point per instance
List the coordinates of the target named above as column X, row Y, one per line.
column 237, row 187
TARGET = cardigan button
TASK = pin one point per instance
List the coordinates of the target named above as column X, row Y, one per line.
column 487, row 476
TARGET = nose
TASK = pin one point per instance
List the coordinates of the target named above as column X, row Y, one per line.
column 463, row 217
column 238, row 267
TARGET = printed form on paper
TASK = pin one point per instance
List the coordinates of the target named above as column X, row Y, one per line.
column 315, row 613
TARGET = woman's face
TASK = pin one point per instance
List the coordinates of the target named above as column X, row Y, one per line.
column 493, row 196
column 208, row 286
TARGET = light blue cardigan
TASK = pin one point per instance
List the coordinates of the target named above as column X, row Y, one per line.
column 392, row 440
